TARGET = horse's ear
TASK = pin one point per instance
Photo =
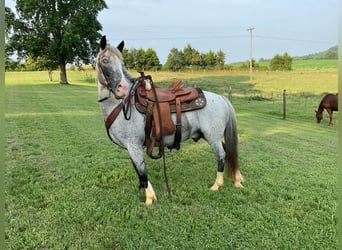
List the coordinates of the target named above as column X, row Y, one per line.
column 103, row 42
column 121, row 46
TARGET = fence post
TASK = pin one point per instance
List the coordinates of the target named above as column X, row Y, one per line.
column 230, row 94
column 284, row 104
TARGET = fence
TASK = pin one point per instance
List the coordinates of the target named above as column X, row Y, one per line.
column 283, row 104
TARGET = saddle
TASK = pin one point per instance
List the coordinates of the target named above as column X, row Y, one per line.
column 158, row 104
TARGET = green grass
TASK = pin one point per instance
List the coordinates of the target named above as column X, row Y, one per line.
column 303, row 64
column 69, row 187
column 315, row 63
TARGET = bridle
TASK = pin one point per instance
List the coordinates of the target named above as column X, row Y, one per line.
column 126, row 100
column 108, row 86
column 125, row 104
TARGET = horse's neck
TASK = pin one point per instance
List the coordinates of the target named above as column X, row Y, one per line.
column 320, row 108
column 128, row 76
column 107, row 100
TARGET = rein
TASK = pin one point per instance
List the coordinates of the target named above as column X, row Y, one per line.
column 125, row 106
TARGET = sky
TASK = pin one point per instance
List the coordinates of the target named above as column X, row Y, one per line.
column 298, row 27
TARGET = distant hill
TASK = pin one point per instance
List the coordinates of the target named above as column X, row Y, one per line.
column 331, row 53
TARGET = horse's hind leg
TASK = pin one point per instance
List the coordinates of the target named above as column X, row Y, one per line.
column 219, row 152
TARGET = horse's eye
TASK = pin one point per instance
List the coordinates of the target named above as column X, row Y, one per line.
column 105, row 60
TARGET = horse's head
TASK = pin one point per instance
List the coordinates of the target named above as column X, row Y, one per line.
column 319, row 116
column 111, row 72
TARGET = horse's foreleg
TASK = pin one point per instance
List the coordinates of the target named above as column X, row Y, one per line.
column 331, row 123
column 150, row 194
column 219, row 155
column 137, row 156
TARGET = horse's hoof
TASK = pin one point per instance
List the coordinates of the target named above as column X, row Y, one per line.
column 150, row 200
column 218, row 182
column 238, row 185
column 150, row 194
column 215, row 187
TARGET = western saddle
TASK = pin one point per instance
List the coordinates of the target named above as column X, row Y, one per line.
column 158, row 104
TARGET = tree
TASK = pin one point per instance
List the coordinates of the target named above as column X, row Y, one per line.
column 128, row 58
column 11, row 23
column 188, row 52
column 175, row 60
column 287, row 61
column 152, row 60
column 279, row 62
column 59, row 31
column 134, row 55
column 220, row 58
column 196, row 58
column 192, row 58
column 140, row 60
column 210, row 59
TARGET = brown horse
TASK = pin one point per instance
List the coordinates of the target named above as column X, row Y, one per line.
column 330, row 103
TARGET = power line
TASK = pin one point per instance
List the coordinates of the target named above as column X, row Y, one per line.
column 290, row 39
column 184, row 37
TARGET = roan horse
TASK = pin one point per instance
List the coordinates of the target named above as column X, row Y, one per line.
column 213, row 122
column 330, row 103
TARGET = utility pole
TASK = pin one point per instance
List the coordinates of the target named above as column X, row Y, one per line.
column 250, row 54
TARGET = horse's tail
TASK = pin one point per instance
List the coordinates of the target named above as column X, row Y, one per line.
column 231, row 148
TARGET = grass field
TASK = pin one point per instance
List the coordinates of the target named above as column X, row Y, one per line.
column 303, row 64
column 69, row 187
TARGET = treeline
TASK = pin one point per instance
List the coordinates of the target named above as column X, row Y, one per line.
column 185, row 59
column 188, row 58
column 141, row 60
column 144, row 60
column 331, row 53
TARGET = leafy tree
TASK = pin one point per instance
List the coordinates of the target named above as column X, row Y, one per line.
column 197, row 60
column 57, row 30
column 279, row 62
column 128, row 58
column 220, row 58
column 152, row 60
column 188, row 52
column 175, row 60
column 140, row 60
column 192, row 57
column 210, row 59
column 134, row 55
column 11, row 23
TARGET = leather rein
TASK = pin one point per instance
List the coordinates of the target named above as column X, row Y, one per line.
column 124, row 105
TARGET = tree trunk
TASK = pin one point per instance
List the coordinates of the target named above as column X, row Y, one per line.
column 50, row 75
column 63, row 76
